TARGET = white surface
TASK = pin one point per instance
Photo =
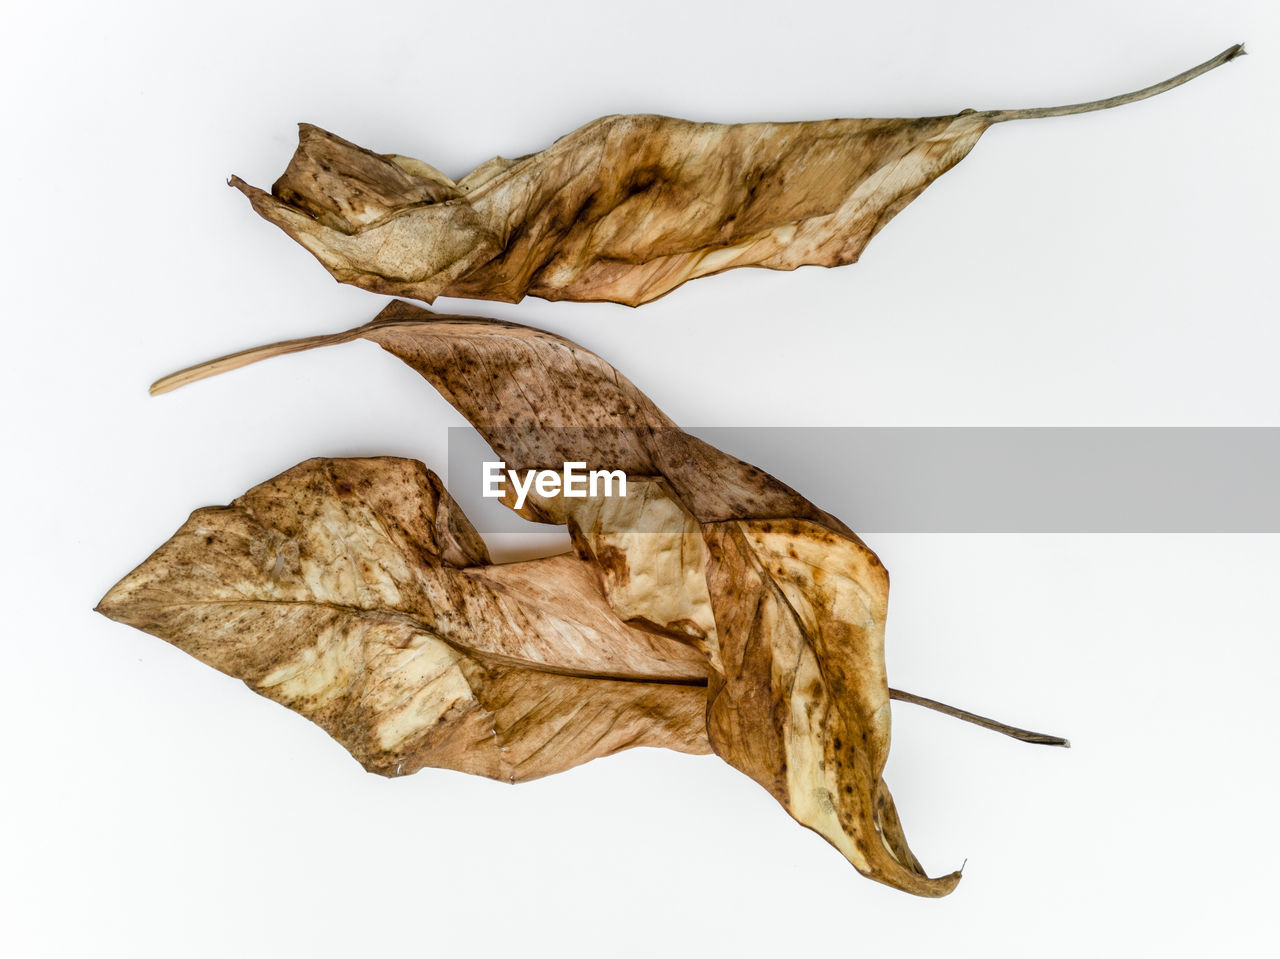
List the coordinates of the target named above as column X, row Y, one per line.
column 1108, row 269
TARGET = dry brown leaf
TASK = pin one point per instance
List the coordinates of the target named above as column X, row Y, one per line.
column 626, row 208
column 708, row 571
column 357, row 593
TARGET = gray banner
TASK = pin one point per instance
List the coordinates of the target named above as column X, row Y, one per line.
column 986, row 479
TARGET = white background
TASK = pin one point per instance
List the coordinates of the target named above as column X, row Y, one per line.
column 1111, row 269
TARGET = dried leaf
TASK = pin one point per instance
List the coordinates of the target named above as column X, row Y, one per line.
column 708, row 571
column 357, row 593
column 626, row 208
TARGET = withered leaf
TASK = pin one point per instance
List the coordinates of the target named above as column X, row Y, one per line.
column 626, row 208
column 707, row 563
column 357, row 593
column 540, row 401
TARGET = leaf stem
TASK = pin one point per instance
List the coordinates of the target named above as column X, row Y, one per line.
column 1026, row 735
column 1226, row 56
column 243, row 358
column 234, row 361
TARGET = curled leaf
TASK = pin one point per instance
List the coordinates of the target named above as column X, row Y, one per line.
column 626, row 208
column 357, row 593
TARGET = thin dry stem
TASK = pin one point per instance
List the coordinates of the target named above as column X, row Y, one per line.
column 1026, row 735
column 1226, row 56
column 234, row 361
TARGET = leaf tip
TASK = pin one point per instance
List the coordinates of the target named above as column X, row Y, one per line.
column 107, row 606
column 945, row 885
